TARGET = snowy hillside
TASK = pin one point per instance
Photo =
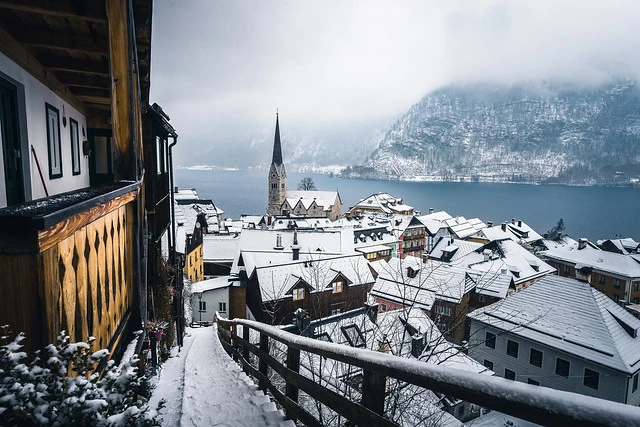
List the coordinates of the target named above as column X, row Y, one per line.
column 534, row 133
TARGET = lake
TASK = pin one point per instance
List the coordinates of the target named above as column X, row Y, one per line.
column 591, row 212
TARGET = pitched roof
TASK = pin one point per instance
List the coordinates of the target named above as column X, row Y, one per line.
column 211, row 284
column 219, row 248
column 324, row 199
column 591, row 256
column 572, row 317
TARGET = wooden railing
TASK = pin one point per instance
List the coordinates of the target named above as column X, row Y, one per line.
column 537, row 404
column 66, row 264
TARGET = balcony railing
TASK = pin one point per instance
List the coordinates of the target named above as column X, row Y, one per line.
column 537, row 404
column 66, row 264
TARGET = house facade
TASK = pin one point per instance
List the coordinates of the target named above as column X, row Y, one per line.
column 208, row 297
column 532, row 337
column 74, row 84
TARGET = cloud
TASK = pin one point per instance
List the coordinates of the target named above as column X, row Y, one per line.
column 221, row 67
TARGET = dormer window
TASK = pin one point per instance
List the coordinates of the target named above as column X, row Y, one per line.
column 337, row 286
column 298, row 294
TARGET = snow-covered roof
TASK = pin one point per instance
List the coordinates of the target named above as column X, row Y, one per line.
column 455, row 248
column 462, row 228
column 334, row 241
column 373, row 248
column 302, row 223
column 220, row 247
column 383, row 202
column 439, row 216
column 211, row 284
column 572, row 317
column 318, row 271
column 592, row 256
column 185, row 194
column 324, row 199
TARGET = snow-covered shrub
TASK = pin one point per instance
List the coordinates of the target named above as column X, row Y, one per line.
column 58, row 387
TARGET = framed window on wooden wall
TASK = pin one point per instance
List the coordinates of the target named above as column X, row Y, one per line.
column 53, row 142
column 75, row 147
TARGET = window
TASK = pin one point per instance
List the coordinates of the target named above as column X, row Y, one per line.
column 353, row 335
column 636, row 300
column 591, row 378
column 482, row 298
column 567, row 269
column 337, row 286
column 616, row 298
column 490, row 340
column 532, row 381
column 383, row 307
column 488, row 364
column 336, row 311
column 53, row 142
column 445, row 311
column 75, row 147
column 562, row 367
column 512, row 348
column 636, row 286
column 601, row 279
column 298, row 294
column 159, row 161
column 202, row 306
column 535, row 358
column 616, row 283
column 635, row 383
column 323, row 336
column 200, row 268
column 222, row 307
column 509, row 374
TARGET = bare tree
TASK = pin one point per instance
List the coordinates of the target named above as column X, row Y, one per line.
column 306, row 184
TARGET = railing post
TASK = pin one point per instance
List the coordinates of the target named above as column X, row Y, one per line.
column 374, row 387
column 245, row 336
column 293, row 363
column 234, row 342
column 262, row 364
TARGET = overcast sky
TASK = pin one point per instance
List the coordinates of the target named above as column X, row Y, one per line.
column 220, row 66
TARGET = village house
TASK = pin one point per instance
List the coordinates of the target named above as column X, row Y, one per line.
column 77, row 133
column 219, row 251
column 446, row 292
column 624, row 246
column 280, row 282
column 614, row 274
column 380, row 203
column 208, row 297
column 297, row 202
column 435, row 227
column 410, row 233
column 563, row 334
column 517, row 231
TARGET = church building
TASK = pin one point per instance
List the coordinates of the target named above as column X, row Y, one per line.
column 297, row 202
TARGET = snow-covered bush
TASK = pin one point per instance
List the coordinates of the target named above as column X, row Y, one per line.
column 58, row 387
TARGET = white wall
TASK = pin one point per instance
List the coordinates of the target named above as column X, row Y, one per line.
column 36, row 95
column 213, row 298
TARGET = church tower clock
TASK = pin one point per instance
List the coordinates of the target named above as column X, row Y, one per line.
column 277, row 176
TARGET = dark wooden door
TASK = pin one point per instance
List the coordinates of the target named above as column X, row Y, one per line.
column 100, row 164
column 11, row 144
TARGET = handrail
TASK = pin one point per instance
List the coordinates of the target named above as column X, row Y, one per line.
column 533, row 403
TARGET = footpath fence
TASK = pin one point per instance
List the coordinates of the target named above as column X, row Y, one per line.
column 537, row 404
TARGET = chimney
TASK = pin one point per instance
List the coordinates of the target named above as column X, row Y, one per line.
column 519, row 223
column 430, row 210
column 269, row 220
column 504, row 226
column 425, row 258
column 513, row 220
column 582, row 243
column 175, row 189
column 372, row 311
column 278, row 245
column 489, row 224
column 295, row 248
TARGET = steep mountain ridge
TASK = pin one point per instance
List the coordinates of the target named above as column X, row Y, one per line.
column 543, row 132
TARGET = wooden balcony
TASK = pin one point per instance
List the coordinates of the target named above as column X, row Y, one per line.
column 66, row 263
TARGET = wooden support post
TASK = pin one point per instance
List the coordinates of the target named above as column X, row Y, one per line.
column 373, row 391
column 262, row 365
column 233, row 341
column 245, row 336
column 293, row 363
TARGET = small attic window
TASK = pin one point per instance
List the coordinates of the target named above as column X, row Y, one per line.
column 322, row 337
column 353, row 335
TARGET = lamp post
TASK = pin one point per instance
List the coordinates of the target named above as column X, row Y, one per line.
column 200, row 305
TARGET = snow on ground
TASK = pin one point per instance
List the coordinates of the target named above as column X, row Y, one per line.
column 498, row 419
column 204, row 386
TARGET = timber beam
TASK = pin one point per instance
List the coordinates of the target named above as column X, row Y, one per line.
column 52, row 40
column 81, row 66
column 93, row 11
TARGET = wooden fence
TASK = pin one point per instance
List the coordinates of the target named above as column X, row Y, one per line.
column 537, row 404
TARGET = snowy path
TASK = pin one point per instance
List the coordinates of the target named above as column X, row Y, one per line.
column 213, row 390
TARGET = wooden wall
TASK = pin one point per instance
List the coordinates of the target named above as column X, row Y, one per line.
column 81, row 283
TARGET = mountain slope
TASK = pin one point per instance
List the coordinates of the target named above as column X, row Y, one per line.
column 533, row 133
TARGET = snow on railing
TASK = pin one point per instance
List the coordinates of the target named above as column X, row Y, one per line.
column 533, row 403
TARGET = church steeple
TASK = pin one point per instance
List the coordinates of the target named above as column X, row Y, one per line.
column 277, row 176
column 276, row 159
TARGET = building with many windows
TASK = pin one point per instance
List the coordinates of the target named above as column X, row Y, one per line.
column 563, row 334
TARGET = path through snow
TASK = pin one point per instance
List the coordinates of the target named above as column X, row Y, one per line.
column 203, row 386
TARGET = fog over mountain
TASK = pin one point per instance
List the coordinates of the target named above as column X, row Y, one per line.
column 543, row 132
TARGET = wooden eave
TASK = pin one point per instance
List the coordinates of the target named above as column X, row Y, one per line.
column 65, row 45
